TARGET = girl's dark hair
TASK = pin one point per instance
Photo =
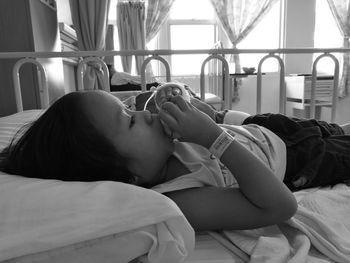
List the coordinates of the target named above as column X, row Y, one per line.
column 63, row 144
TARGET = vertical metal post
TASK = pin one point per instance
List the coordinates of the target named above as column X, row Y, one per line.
column 43, row 87
column 80, row 72
column 227, row 89
column 282, row 100
column 143, row 70
column 335, row 86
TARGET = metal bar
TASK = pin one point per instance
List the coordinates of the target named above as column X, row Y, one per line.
column 143, row 70
column 214, row 53
column 80, row 72
column 226, row 86
column 335, row 86
column 44, row 100
column 282, row 100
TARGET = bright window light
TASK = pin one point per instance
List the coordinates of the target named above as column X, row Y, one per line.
column 265, row 35
column 192, row 9
column 190, row 37
column 112, row 14
column 327, row 35
column 192, row 25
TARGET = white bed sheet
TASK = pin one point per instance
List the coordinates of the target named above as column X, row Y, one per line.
column 318, row 232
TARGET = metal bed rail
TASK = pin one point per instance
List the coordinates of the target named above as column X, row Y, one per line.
column 80, row 71
column 88, row 56
column 43, row 87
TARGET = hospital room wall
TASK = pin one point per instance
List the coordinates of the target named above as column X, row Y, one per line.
column 299, row 31
column 28, row 26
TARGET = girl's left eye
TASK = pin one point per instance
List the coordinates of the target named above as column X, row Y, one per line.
column 132, row 120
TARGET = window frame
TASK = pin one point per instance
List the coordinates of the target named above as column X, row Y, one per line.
column 164, row 35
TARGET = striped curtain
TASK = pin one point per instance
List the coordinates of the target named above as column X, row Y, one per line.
column 341, row 13
column 90, row 22
column 238, row 19
column 138, row 23
column 157, row 13
column 110, row 44
column 131, row 30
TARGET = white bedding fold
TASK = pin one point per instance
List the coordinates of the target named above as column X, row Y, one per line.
column 319, row 231
column 324, row 216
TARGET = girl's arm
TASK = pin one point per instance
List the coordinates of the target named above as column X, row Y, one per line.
column 226, row 117
column 260, row 200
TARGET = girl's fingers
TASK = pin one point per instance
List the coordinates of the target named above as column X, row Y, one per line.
column 172, row 109
column 170, row 125
column 168, row 120
column 169, row 93
column 180, row 102
column 167, row 130
column 176, row 91
column 160, row 98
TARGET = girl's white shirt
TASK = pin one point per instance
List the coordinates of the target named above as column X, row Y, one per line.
column 207, row 170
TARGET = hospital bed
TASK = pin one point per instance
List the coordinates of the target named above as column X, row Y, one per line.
column 51, row 220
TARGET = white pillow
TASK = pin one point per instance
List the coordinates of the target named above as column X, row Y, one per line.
column 40, row 215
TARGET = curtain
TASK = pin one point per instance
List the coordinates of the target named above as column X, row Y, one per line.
column 90, row 22
column 341, row 13
column 131, row 30
column 137, row 25
column 239, row 17
column 157, row 13
column 110, row 44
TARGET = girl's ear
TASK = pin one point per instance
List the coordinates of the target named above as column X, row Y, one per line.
column 134, row 180
column 134, row 167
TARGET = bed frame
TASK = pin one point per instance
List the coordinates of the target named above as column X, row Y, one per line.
column 213, row 54
column 236, row 255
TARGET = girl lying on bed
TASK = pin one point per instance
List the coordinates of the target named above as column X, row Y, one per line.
column 90, row 136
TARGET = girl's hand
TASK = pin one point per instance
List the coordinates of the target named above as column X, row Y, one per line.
column 187, row 123
column 165, row 93
column 204, row 107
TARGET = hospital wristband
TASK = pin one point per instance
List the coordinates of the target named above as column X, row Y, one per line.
column 221, row 143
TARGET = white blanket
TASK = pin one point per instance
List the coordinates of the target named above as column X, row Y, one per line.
column 319, row 231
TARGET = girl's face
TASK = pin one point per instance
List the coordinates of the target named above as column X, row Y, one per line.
column 136, row 135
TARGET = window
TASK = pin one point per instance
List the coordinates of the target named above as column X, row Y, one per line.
column 327, row 35
column 112, row 20
column 265, row 35
column 189, row 29
column 112, row 14
column 192, row 25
